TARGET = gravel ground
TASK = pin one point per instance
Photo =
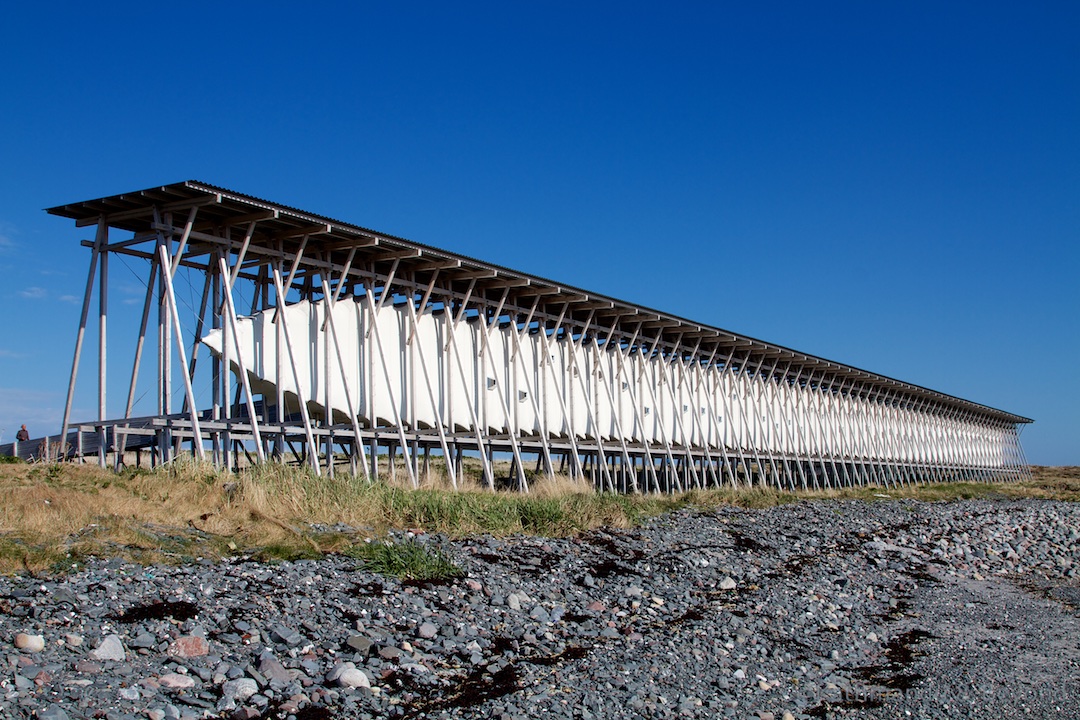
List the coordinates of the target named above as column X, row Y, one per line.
column 890, row 609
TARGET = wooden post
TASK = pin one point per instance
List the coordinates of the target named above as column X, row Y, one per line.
column 313, row 451
column 103, row 311
column 215, row 361
column 171, row 296
column 232, row 326
column 79, row 338
column 358, row 443
column 138, row 351
column 427, row 384
column 386, row 376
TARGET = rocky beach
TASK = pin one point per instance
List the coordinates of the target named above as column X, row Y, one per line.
column 813, row 609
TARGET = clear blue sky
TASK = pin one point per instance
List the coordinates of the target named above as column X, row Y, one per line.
column 892, row 185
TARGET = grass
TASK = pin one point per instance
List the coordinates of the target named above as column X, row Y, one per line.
column 405, row 560
column 55, row 516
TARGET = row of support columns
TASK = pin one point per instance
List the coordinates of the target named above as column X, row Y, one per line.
column 863, row 433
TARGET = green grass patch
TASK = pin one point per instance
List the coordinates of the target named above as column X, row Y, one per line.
column 285, row 550
column 405, row 560
column 23, row 554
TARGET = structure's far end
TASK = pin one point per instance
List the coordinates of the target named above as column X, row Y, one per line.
column 338, row 345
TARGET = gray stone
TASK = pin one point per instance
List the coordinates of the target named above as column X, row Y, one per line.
column 53, row 712
column 353, row 678
column 255, row 675
column 360, row 643
column 335, row 672
column 238, row 690
column 111, row 648
column 287, row 635
column 390, row 652
column 143, row 640
column 272, row 669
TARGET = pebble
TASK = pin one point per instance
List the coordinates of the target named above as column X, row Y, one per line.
column 238, row 690
column 176, row 681
column 144, row 641
column 286, row 635
column 190, row 646
column 111, row 648
column 353, row 678
column 360, row 644
column 30, row 643
column 272, row 669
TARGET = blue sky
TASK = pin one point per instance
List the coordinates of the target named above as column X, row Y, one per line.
column 894, row 186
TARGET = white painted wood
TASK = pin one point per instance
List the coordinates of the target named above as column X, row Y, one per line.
column 542, row 386
column 171, row 299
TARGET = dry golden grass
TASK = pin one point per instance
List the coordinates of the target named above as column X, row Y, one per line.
column 1059, row 483
column 53, row 516
column 1049, row 483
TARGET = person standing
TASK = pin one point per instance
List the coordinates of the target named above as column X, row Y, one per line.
column 22, row 435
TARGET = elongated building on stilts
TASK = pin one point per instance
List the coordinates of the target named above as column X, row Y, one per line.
column 268, row 332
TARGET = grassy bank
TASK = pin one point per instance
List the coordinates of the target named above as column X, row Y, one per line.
column 53, row 516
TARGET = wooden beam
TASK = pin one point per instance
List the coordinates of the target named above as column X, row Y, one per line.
column 618, row 312
column 175, row 206
column 437, row 265
column 534, row 290
column 586, row 304
column 360, row 241
column 474, row 274
column 507, row 283
column 319, row 229
column 251, row 217
column 397, row 255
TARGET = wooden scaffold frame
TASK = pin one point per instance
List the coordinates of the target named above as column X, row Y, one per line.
column 406, row 348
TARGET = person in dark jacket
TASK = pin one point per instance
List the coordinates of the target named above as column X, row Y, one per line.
column 22, row 435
